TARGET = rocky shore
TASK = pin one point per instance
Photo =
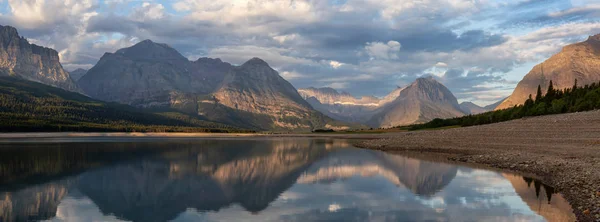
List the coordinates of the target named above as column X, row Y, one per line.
column 561, row 150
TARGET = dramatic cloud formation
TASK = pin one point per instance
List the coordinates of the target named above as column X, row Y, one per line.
column 480, row 49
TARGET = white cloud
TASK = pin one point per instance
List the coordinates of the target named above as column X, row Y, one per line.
column 289, row 75
column 255, row 16
column 285, row 38
column 338, row 85
column 276, row 57
column 335, row 64
column 380, row 50
column 149, row 11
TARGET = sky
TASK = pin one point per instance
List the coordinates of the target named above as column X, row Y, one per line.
column 479, row 49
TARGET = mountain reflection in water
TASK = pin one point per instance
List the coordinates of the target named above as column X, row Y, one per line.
column 254, row 180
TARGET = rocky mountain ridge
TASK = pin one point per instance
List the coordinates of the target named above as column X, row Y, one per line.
column 579, row 61
column 423, row 100
column 154, row 75
column 31, row 62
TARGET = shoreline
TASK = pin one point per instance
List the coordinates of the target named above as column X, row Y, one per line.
column 129, row 135
column 561, row 150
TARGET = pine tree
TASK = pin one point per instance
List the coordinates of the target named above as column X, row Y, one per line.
column 538, row 96
column 551, row 92
column 528, row 102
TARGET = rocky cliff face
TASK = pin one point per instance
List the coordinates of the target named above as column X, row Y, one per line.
column 148, row 74
column 579, row 61
column 256, row 88
column 20, row 58
column 422, row 101
column 252, row 95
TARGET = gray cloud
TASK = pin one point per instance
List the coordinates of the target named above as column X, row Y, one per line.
column 484, row 39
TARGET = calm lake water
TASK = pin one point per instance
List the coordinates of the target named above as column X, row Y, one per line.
column 253, row 180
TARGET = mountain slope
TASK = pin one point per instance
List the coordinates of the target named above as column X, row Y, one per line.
column 254, row 89
column 579, row 61
column 148, row 74
column 77, row 74
column 155, row 75
column 472, row 108
column 343, row 106
column 424, row 100
column 20, row 58
column 494, row 105
column 31, row 106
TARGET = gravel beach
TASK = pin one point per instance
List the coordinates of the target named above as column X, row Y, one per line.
column 561, row 150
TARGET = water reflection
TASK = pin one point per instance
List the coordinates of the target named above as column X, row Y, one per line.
column 253, row 180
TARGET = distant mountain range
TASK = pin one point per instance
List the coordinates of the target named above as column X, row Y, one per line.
column 254, row 96
column 77, row 74
column 154, row 75
column 421, row 101
column 472, row 108
column 579, row 61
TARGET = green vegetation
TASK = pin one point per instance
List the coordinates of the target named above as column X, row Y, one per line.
column 27, row 106
column 575, row 99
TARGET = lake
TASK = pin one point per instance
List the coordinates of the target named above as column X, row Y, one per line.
column 159, row 179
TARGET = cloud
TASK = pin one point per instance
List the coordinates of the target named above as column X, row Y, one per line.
column 335, row 64
column 149, row 11
column 380, row 50
column 338, row 85
column 367, row 47
column 289, row 75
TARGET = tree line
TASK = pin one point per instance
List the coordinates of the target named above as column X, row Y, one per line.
column 554, row 101
column 29, row 107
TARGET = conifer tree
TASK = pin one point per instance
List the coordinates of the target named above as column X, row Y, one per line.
column 551, row 92
column 538, row 96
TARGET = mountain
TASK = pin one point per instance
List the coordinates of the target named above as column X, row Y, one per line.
column 472, row 108
column 77, row 74
column 331, row 96
column 28, row 61
column 148, row 74
column 154, row 75
column 32, row 106
column 255, row 96
column 342, row 106
column 494, row 105
column 422, row 101
column 579, row 61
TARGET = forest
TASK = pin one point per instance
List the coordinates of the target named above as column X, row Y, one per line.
column 27, row 106
column 574, row 99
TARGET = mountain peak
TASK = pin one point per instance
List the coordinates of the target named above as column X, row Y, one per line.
column 79, row 70
column 32, row 62
column 9, row 30
column 256, row 62
column 594, row 38
column 209, row 60
column 149, row 50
